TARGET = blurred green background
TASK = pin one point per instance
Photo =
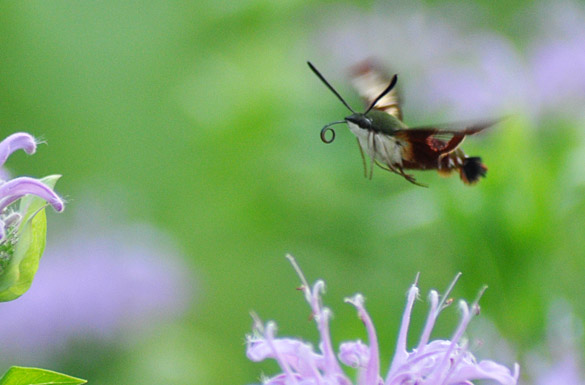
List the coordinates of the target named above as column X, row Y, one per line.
column 201, row 118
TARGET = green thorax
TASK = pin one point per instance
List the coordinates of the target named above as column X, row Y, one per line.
column 384, row 122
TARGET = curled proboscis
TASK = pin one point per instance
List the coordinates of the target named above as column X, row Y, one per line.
column 324, row 134
column 328, row 128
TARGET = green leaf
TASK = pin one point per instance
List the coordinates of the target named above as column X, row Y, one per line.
column 18, row 375
column 22, row 266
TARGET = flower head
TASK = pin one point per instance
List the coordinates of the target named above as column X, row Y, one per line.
column 22, row 225
column 438, row 362
column 13, row 190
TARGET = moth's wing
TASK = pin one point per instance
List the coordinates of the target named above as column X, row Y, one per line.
column 464, row 128
column 431, row 142
column 369, row 80
column 423, row 146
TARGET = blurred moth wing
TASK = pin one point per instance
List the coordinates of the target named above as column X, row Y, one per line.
column 369, row 81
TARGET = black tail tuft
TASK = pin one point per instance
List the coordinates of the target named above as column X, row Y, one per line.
column 472, row 170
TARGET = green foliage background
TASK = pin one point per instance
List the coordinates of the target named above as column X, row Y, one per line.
column 206, row 114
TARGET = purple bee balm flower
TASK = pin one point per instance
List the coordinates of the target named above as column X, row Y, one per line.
column 438, row 362
column 12, row 190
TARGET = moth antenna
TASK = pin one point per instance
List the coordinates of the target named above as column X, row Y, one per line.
column 328, row 128
column 388, row 89
column 330, row 87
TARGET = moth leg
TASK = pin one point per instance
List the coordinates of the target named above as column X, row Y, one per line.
column 363, row 158
column 397, row 169
column 372, row 146
column 440, row 160
column 388, row 164
column 400, row 171
column 410, row 178
column 388, row 167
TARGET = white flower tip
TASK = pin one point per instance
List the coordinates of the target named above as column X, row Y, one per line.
column 295, row 265
column 481, row 293
column 445, row 299
column 257, row 321
column 416, row 279
column 516, row 374
column 357, row 300
column 319, row 287
column 463, row 307
column 414, row 290
column 433, row 298
column 452, row 285
column 270, row 330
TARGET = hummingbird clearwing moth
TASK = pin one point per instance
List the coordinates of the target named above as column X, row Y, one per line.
column 393, row 146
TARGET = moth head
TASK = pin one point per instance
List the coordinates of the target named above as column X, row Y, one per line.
column 357, row 118
column 361, row 120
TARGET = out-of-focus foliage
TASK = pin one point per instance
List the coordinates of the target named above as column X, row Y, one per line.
column 202, row 118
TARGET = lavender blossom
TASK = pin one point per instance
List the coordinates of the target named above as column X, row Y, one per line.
column 431, row 362
column 101, row 282
column 557, row 57
column 23, row 224
column 12, row 190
